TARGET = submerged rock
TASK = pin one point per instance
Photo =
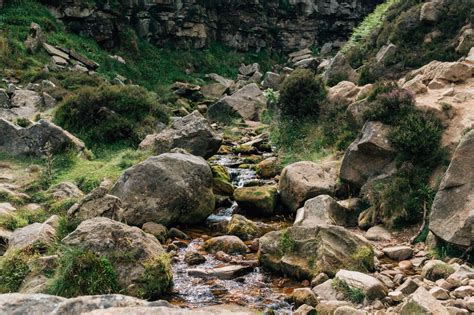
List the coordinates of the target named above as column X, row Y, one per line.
column 191, row 133
column 304, row 252
column 168, row 189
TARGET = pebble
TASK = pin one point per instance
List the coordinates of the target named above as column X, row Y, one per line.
column 439, row 293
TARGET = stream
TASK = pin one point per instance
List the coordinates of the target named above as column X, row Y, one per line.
column 257, row 289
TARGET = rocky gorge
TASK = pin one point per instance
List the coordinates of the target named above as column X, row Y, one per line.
column 298, row 189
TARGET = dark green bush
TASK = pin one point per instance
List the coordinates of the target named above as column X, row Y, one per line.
column 110, row 114
column 417, row 137
column 82, row 272
column 390, row 107
column 301, row 94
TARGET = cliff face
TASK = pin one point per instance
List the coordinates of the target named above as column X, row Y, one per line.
column 245, row 24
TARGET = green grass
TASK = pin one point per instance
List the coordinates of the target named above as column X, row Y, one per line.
column 287, row 243
column 368, row 25
column 82, row 272
column 351, row 294
column 14, row 267
column 149, row 66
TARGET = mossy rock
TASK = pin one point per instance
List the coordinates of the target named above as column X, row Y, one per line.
column 222, row 181
column 259, row 200
column 243, row 228
column 436, row 269
column 229, row 244
column 244, row 149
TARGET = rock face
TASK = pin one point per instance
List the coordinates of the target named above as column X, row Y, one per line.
column 368, row 156
column 107, row 237
column 246, row 103
column 304, row 252
column 304, row 180
column 35, row 139
column 295, row 25
column 167, row 189
column 452, row 214
column 191, row 133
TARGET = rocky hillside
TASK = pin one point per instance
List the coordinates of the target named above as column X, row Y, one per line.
column 209, row 178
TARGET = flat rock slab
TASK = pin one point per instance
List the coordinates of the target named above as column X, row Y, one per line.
column 223, row 273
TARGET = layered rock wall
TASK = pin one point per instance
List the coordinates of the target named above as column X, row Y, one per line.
column 247, row 25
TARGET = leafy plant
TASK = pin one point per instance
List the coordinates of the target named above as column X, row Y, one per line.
column 354, row 295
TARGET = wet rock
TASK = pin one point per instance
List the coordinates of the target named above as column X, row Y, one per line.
column 175, row 233
column 172, row 188
column 223, row 273
column 257, row 200
column 36, row 139
column 302, row 296
column 295, row 250
column 305, row 180
column 191, row 133
column 194, row 258
column 368, row 156
column 229, row 244
column 372, row 288
column 378, row 233
column 268, row 168
column 243, row 228
column 106, row 237
column 436, row 269
column 19, row 304
column 222, row 181
column 452, row 215
column 325, row 210
column 421, row 302
column 98, row 203
column 37, row 235
column 398, row 253
column 246, row 103
column 157, row 230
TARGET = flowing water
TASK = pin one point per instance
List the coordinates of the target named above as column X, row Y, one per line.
column 258, row 289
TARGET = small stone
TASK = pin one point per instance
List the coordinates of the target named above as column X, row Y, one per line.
column 378, row 233
column 439, row 293
column 398, row 253
column 322, row 277
column 443, row 283
column 194, row 258
column 463, row 291
column 456, row 311
column 405, row 265
column 408, row 287
column 396, row 296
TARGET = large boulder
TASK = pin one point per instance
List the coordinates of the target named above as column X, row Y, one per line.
column 191, row 133
column 110, row 238
column 304, row 252
column 369, row 155
column 37, row 139
column 168, row 189
column 28, row 304
column 246, row 103
column 325, row 210
column 452, row 214
column 305, row 180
